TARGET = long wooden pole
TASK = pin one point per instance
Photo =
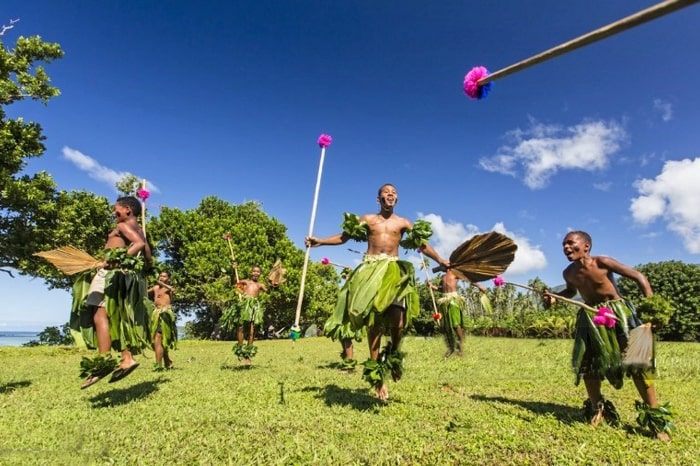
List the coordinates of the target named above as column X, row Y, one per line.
column 427, row 277
column 555, row 296
column 233, row 258
column 311, row 231
column 629, row 22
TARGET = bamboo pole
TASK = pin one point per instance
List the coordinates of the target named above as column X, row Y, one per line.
column 233, row 258
column 629, row 22
column 143, row 209
column 555, row 296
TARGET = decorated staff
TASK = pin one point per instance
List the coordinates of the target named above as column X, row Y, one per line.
column 143, row 194
column 324, row 141
column 227, row 237
column 477, row 82
column 424, row 265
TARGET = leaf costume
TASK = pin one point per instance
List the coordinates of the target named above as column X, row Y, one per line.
column 124, row 300
column 163, row 322
column 244, row 309
column 450, row 307
column 599, row 350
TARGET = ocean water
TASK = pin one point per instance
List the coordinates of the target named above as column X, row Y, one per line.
column 10, row 338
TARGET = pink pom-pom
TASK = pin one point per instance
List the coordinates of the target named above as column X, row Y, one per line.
column 325, row 261
column 227, row 236
column 471, row 81
column 143, row 194
column 324, row 140
column 499, row 282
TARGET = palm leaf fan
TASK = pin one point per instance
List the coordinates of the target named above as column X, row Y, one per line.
column 276, row 275
column 482, row 257
column 70, row 260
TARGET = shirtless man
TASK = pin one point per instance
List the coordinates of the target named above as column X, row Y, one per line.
column 250, row 311
column 377, row 304
column 592, row 278
column 451, row 306
column 163, row 326
column 126, row 240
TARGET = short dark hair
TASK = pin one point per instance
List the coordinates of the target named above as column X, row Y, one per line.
column 583, row 235
column 132, row 203
column 379, row 191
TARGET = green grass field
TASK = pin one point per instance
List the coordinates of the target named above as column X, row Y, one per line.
column 506, row 401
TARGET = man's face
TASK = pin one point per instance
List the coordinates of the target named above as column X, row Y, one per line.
column 575, row 247
column 388, row 197
column 163, row 277
column 255, row 273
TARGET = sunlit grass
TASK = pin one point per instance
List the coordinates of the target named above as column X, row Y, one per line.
column 506, row 401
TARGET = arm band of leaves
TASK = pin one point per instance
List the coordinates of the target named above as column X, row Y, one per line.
column 417, row 236
column 354, row 228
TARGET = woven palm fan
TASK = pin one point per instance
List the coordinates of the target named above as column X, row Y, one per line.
column 640, row 348
column 276, row 276
column 70, row 260
column 482, row 257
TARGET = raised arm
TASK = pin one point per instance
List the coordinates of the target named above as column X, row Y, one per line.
column 335, row 240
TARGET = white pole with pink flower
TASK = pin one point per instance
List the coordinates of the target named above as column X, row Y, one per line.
column 324, row 141
column 143, row 194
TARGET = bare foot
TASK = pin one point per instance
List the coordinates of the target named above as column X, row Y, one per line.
column 382, row 393
column 663, row 436
column 246, row 361
column 598, row 417
column 168, row 364
column 448, row 354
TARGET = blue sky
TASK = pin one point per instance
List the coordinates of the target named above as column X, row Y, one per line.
column 228, row 99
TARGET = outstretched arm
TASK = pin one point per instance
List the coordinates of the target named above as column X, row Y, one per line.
column 335, row 240
column 429, row 251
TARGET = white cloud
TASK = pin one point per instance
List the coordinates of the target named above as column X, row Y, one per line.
column 602, row 186
column 673, row 195
column 543, row 150
column 448, row 235
column 665, row 108
column 97, row 171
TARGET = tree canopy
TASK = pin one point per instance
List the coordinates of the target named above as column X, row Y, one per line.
column 192, row 246
column 34, row 215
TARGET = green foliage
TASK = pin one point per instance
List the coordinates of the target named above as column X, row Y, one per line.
column 655, row 309
column 34, row 216
column 193, row 249
column 128, row 185
column 679, row 283
column 417, row 236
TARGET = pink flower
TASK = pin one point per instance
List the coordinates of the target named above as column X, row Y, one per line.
column 227, row 236
column 324, row 140
column 499, row 282
column 143, row 194
column 605, row 316
column 471, row 81
column 325, row 261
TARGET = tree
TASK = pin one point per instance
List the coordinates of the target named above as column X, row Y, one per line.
column 679, row 283
column 194, row 250
column 54, row 336
column 35, row 216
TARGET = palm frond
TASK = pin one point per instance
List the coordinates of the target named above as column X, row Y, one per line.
column 70, row 260
column 483, row 257
column 276, row 275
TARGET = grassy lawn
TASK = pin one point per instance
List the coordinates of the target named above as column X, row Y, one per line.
column 506, row 401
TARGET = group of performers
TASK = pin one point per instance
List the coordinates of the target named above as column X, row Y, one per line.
column 380, row 295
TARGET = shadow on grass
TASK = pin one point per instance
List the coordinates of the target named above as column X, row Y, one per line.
column 358, row 398
column 236, row 367
column 12, row 386
column 122, row 396
column 563, row 413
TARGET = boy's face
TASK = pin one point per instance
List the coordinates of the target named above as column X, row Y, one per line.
column 255, row 273
column 575, row 247
column 388, row 197
column 120, row 212
column 163, row 277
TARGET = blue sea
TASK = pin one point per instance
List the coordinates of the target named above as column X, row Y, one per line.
column 10, row 338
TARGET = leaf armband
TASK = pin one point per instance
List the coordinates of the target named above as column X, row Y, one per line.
column 118, row 258
column 354, row 228
column 417, row 236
